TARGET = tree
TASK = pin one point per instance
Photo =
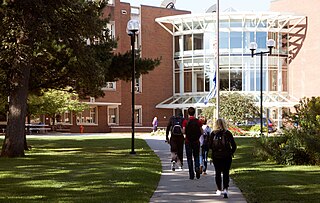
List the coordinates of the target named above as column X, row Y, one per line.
column 44, row 45
column 300, row 142
column 54, row 102
column 234, row 107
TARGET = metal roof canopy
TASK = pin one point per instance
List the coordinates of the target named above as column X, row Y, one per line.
column 270, row 99
column 276, row 22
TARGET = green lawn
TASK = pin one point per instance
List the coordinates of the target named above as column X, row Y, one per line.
column 100, row 169
column 269, row 182
column 80, row 169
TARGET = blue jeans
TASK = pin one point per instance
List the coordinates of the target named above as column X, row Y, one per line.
column 192, row 151
column 204, row 157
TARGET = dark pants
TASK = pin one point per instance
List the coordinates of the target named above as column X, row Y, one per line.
column 176, row 145
column 222, row 165
column 192, row 151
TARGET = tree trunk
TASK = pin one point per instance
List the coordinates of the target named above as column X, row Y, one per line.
column 14, row 142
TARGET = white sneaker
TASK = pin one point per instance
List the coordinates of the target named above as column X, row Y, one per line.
column 225, row 193
column 218, row 192
column 173, row 166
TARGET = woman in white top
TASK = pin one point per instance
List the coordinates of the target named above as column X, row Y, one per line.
column 204, row 147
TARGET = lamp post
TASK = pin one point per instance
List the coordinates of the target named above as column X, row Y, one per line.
column 133, row 27
column 253, row 47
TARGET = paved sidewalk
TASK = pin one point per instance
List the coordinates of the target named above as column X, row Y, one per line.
column 176, row 186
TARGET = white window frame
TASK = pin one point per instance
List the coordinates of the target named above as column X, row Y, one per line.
column 111, row 116
column 138, row 118
column 138, row 85
column 81, row 120
column 110, row 86
column 111, row 2
column 63, row 118
column 111, row 27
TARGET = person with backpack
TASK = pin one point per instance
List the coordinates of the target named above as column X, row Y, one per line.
column 204, row 145
column 193, row 130
column 176, row 140
column 223, row 146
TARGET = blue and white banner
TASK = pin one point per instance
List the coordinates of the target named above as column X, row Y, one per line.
column 213, row 90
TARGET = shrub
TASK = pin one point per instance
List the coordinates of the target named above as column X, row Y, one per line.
column 256, row 128
column 300, row 143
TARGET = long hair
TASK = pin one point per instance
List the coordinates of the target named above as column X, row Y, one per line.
column 220, row 124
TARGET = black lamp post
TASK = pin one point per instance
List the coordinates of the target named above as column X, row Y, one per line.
column 132, row 30
column 253, row 47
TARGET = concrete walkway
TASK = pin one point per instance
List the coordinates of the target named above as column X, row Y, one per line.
column 177, row 187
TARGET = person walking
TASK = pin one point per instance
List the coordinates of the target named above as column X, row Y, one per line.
column 192, row 128
column 204, row 145
column 176, row 140
column 223, row 147
column 155, row 124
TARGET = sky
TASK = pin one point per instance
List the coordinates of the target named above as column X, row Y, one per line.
column 200, row 6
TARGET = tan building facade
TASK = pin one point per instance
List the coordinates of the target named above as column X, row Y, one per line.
column 304, row 69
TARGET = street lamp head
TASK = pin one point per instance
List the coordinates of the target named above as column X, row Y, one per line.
column 270, row 44
column 133, row 26
column 253, row 46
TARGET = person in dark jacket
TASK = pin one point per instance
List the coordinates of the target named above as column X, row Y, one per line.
column 223, row 147
column 192, row 128
column 176, row 141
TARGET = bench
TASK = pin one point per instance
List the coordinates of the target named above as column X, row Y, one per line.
column 37, row 128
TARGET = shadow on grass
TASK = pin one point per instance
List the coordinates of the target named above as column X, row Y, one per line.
column 80, row 170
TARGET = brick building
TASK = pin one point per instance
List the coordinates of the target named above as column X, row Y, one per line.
column 112, row 113
column 186, row 45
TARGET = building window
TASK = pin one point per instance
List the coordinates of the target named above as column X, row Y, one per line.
column 110, row 86
column 199, row 75
column 235, row 40
column 64, row 118
column 138, row 85
column 224, row 79
column 111, row 29
column 188, row 81
column 176, row 44
column 187, row 42
column 89, row 116
column 224, row 40
column 138, row 115
column 261, row 40
column 198, row 41
column 113, row 115
column 236, row 80
column 177, row 82
column 111, row 2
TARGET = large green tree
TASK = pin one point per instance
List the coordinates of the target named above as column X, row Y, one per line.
column 234, row 107
column 44, row 44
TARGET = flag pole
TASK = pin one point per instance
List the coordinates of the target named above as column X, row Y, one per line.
column 218, row 62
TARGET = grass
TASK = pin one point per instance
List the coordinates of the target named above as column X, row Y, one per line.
column 268, row 182
column 80, row 169
column 100, row 169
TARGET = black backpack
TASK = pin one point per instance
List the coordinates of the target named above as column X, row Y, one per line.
column 206, row 135
column 193, row 131
column 220, row 145
column 176, row 126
